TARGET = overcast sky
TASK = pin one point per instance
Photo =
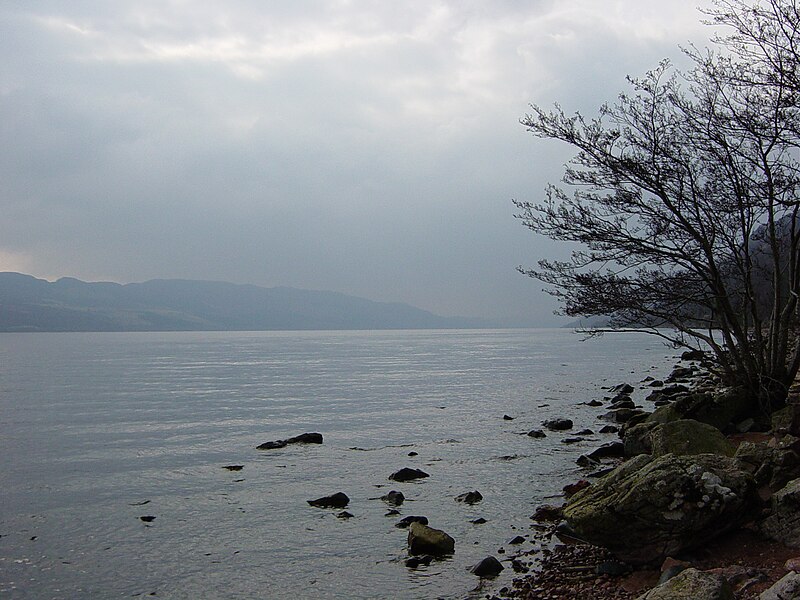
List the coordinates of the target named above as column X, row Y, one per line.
column 366, row 147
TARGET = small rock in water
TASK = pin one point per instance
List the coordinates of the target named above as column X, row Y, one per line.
column 478, row 521
column 427, row 540
column 392, row 512
column 508, row 418
column 622, row 388
column 412, row 453
column 609, row 429
column 417, row 561
column 586, row 461
column 277, row 444
column 488, row 567
column 407, row 474
column 572, row 440
column 303, row 438
column 585, row 432
column 536, row 433
column 594, row 403
column 470, row 497
column 344, row 515
column 517, row 540
column 337, row 500
column 233, row 467
column 558, row 424
column 147, row 518
column 406, row 521
column 394, row 498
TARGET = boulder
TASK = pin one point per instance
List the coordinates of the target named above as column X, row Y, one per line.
column 558, row 424
column 636, row 440
column 782, row 419
column 787, row 588
column 427, row 540
column 717, row 409
column 687, row 437
column 610, row 450
column 680, row 373
column 691, row 584
column 408, row 474
column 774, row 464
column 693, row 355
column 649, row 508
column 303, row 438
column 622, row 388
column 627, row 403
column 337, row 500
column 394, row 498
column 783, row 524
column 469, row 497
column 488, row 567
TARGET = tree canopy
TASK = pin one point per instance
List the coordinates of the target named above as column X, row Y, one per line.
column 683, row 200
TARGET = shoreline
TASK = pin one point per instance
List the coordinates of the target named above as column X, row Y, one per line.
column 563, row 567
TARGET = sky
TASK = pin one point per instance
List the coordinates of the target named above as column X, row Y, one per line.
column 365, row 147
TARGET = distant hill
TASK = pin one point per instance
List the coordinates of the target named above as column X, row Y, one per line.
column 31, row 304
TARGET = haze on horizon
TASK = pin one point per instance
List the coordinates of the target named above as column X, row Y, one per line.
column 362, row 147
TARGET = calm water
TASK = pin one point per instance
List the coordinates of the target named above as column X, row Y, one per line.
column 99, row 429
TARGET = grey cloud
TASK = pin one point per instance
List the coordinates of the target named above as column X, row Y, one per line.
column 365, row 147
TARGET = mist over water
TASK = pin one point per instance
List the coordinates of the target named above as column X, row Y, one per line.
column 97, row 430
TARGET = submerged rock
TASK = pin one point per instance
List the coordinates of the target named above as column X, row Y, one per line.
column 418, row 561
column 558, row 424
column 649, row 508
column 427, row 540
column 406, row 521
column 394, row 498
column 469, row 497
column 233, row 467
column 337, row 500
column 303, row 438
column 407, row 474
column 488, row 567
column 536, row 433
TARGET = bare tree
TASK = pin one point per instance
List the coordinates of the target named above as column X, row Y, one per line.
column 684, row 202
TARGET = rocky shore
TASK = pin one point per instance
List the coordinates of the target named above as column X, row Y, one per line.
column 699, row 499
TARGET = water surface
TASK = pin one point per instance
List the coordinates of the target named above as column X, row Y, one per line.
column 97, row 430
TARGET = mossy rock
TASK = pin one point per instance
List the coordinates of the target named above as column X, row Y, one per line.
column 681, row 437
column 692, row 584
column 688, row 437
column 718, row 409
column 650, row 508
column 782, row 419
